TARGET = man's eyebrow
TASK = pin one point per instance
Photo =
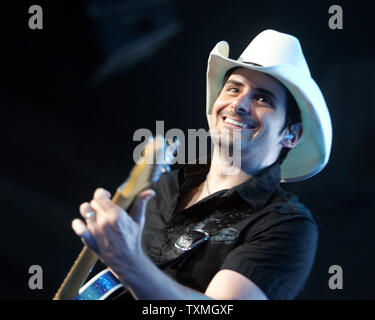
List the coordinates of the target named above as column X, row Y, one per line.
column 237, row 83
column 267, row 92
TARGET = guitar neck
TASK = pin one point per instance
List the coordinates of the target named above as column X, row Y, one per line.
column 77, row 275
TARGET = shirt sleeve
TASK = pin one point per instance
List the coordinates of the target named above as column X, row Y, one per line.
column 278, row 257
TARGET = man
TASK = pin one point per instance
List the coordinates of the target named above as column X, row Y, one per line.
column 261, row 240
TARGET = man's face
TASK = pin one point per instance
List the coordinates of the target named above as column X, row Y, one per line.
column 251, row 105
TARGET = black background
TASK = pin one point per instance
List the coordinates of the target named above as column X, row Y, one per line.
column 66, row 131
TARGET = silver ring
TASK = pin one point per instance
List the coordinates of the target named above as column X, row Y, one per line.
column 89, row 214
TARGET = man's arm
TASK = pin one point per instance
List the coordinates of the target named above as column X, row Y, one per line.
column 115, row 237
column 149, row 282
column 231, row 285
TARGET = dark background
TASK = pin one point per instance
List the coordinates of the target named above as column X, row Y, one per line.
column 72, row 95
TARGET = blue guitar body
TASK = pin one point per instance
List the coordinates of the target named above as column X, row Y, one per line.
column 99, row 287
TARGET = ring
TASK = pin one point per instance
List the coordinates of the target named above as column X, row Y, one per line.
column 89, row 214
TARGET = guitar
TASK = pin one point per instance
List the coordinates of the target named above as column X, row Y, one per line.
column 155, row 160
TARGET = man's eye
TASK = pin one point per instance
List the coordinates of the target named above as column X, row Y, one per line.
column 232, row 89
column 263, row 100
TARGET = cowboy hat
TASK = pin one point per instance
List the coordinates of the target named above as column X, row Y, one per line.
column 280, row 56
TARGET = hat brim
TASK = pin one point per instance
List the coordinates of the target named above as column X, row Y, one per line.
column 312, row 152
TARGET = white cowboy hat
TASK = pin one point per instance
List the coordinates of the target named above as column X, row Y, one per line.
column 280, row 55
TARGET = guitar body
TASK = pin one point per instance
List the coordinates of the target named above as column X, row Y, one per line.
column 100, row 287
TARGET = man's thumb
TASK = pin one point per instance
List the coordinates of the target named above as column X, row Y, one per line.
column 139, row 207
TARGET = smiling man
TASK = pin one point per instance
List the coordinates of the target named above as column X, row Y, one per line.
column 208, row 234
column 255, row 106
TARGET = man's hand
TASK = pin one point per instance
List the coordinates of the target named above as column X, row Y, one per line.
column 112, row 233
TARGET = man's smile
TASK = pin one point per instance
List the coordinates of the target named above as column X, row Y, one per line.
column 235, row 123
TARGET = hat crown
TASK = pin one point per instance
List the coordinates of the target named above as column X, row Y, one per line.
column 271, row 48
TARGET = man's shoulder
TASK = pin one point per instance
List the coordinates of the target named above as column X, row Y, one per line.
column 284, row 215
column 286, row 203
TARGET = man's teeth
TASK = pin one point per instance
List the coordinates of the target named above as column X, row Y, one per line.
column 237, row 123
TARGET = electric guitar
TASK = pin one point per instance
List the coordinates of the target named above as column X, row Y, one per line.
column 155, row 160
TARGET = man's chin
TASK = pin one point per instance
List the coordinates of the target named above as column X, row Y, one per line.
column 228, row 137
column 229, row 143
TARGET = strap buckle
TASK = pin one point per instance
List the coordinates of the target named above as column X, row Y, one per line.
column 191, row 239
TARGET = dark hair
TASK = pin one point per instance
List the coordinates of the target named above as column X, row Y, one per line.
column 293, row 113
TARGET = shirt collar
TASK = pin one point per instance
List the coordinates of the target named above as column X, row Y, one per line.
column 256, row 190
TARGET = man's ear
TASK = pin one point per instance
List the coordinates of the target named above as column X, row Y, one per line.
column 292, row 135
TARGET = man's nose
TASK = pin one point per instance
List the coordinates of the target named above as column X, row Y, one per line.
column 242, row 106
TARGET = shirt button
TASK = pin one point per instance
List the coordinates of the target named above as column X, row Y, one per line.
column 170, row 229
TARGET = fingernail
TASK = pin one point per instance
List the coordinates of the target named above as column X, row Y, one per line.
column 151, row 195
column 77, row 227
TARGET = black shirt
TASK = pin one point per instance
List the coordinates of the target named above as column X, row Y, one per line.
column 266, row 234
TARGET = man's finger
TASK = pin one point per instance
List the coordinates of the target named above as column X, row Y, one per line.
column 81, row 230
column 139, row 207
column 103, row 199
column 88, row 213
